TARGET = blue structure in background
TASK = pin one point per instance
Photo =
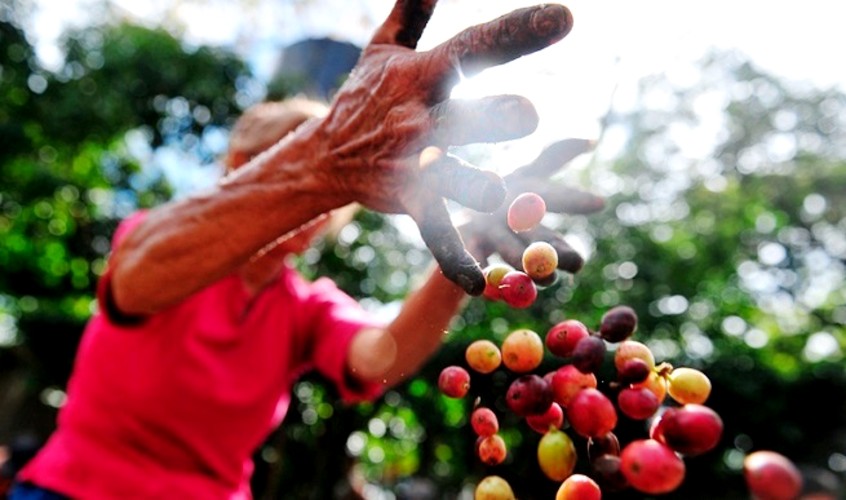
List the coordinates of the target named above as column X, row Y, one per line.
column 319, row 64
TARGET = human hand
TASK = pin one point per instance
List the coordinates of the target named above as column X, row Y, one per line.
column 487, row 234
column 395, row 104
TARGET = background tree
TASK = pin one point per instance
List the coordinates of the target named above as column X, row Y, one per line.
column 79, row 149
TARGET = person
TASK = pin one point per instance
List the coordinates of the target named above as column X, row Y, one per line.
column 203, row 326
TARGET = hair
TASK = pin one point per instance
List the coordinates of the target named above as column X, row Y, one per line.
column 264, row 124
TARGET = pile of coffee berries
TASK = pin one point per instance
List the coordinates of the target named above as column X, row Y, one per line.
column 567, row 402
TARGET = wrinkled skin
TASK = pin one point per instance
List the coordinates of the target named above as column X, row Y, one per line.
column 489, row 234
column 396, row 103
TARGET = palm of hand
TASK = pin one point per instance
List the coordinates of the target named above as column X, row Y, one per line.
column 395, row 104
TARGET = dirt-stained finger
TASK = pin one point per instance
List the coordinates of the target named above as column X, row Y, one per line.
column 444, row 242
column 405, row 23
column 513, row 35
column 554, row 158
column 453, row 178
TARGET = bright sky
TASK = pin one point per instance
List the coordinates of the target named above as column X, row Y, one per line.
column 613, row 44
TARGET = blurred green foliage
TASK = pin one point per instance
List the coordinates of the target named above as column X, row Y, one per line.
column 724, row 230
column 76, row 151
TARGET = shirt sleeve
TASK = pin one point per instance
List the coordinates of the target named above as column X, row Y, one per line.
column 338, row 318
column 105, row 299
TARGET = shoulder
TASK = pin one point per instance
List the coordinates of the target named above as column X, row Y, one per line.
column 320, row 289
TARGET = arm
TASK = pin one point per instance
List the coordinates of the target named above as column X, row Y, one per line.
column 183, row 246
column 392, row 354
column 367, row 149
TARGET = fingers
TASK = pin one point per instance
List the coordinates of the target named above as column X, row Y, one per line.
column 475, row 243
column 521, row 32
column 442, row 239
column 554, row 157
column 405, row 23
column 559, row 198
column 507, row 244
column 566, row 200
column 510, row 247
column 489, row 119
column 457, row 180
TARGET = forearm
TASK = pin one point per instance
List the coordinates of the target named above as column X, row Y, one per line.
column 398, row 351
column 183, row 246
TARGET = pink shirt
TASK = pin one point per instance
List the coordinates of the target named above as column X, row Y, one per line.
column 175, row 406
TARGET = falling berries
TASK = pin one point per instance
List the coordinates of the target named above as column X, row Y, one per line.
column 525, row 212
column 569, row 408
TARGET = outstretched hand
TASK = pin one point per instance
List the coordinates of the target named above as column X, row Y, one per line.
column 488, row 234
column 391, row 121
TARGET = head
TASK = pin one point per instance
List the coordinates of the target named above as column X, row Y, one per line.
column 264, row 124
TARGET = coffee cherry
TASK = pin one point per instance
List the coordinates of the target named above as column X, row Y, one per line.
column 567, row 381
column 771, row 476
column 655, row 383
column 493, row 275
column 525, row 212
column 629, row 349
column 484, row 422
column 690, row 430
column 491, row 449
column 591, row 413
column 454, row 381
column 483, row 356
column 607, row 471
column 589, row 354
column 517, row 289
column 561, row 339
column 650, row 467
column 618, row 324
column 578, row 487
column 688, row 385
column 637, row 403
column 633, row 371
column 540, row 260
column 493, row 488
column 528, row 395
column 606, row 444
column 552, row 418
column 522, row 351
column 556, row 455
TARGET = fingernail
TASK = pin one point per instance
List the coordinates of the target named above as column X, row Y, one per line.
column 473, row 284
column 570, row 261
column 598, row 204
column 552, row 21
column 592, row 203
